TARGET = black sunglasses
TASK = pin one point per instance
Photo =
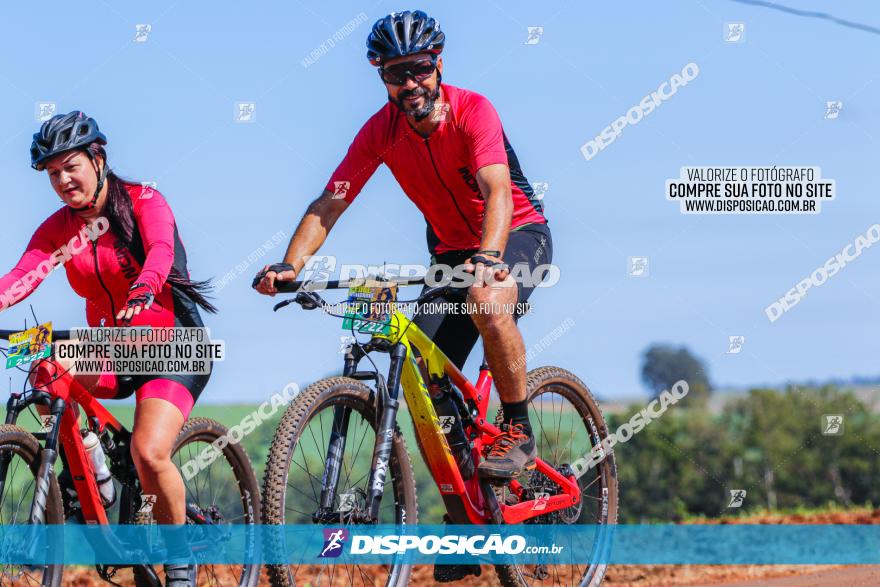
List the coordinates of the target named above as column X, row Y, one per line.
column 419, row 71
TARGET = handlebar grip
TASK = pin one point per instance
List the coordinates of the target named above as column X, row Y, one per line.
column 56, row 334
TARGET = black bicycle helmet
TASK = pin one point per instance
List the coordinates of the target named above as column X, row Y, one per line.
column 404, row 33
column 68, row 132
column 64, row 132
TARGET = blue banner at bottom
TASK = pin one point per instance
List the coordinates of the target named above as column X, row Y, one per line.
column 424, row 544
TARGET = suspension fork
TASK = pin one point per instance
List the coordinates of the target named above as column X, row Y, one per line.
column 13, row 407
column 335, row 452
column 385, row 433
column 47, row 464
column 333, row 462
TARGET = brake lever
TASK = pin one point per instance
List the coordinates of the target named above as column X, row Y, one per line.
column 306, row 300
column 280, row 305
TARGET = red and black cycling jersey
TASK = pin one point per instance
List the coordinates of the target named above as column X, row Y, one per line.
column 103, row 270
column 438, row 173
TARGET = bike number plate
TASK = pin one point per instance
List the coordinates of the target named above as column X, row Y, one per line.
column 29, row 345
column 369, row 309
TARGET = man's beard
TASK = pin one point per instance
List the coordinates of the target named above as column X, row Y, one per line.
column 417, row 113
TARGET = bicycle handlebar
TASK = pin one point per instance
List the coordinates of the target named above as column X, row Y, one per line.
column 56, row 334
column 309, row 299
column 296, row 286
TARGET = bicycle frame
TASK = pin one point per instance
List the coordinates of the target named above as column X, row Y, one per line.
column 467, row 501
column 64, row 393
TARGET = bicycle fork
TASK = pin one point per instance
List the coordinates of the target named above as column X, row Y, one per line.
column 48, row 456
column 388, row 404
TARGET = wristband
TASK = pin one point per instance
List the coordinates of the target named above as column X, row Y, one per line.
column 140, row 294
column 487, row 262
column 490, row 252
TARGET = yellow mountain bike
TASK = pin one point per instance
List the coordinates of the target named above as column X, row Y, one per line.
column 338, row 445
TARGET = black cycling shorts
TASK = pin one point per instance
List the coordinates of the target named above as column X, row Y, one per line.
column 455, row 333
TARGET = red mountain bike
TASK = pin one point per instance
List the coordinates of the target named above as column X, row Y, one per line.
column 316, row 472
column 225, row 492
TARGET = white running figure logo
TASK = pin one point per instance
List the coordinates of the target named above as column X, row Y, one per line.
column 333, row 543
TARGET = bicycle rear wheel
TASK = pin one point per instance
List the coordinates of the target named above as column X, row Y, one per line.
column 19, row 465
column 566, row 422
column 292, row 481
column 223, row 492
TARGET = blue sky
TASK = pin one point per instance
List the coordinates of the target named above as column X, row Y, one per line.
column 167, row 107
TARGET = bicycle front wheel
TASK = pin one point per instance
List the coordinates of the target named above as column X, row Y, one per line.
column 19, row 465
column 294, row 469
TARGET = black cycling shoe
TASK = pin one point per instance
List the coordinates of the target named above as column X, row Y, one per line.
column 450, row 573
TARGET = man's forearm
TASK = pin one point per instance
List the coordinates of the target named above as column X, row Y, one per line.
column 312, row 230
column 496, row 223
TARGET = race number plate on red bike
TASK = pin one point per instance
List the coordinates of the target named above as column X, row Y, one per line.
column 30, row 345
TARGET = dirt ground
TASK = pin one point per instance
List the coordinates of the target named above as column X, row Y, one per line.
column 620, row 575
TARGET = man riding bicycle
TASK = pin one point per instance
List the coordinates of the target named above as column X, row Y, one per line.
column 447, row 149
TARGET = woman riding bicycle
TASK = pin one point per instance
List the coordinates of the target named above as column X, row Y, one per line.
column 132, row 274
